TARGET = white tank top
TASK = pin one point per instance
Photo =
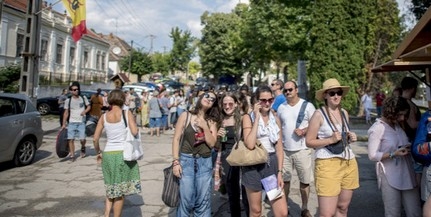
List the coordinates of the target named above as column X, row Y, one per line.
column 115, row 135
column 324, row 132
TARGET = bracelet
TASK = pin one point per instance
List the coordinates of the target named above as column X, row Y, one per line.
column 391, row 155
column 279, row 171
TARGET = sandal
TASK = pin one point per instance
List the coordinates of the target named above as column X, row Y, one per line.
column 82, row 151
column 71, row 157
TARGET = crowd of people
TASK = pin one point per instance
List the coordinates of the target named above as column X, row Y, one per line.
column 294, row 133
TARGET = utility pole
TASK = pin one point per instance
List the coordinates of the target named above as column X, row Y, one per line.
column 131, row 55
column 29, row 78
column 151, row 41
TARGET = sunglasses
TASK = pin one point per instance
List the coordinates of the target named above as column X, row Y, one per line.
column 332, row 93
column 230, row 104
column 288, row 90
column 273, row 84
column 210, row 98
column 265, row 101
column 74, row 89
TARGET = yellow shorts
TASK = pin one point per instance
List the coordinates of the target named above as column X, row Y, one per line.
column 334, row 174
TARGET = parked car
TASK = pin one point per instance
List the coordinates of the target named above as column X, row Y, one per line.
column 138, row 88
column 47, row 105
column 174, row 85
column 21, row 126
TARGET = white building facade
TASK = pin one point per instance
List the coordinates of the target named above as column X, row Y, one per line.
column 61, row 60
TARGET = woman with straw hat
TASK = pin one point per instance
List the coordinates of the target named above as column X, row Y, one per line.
column 336, row 169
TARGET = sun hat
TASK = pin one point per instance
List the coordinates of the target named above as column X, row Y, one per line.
column 331, row 83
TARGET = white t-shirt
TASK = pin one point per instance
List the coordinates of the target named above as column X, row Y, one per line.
column 77, row 106
column 172, row 101
column 366, row 101
column 288, row 115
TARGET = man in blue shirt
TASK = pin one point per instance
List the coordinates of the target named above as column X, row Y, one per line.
column 277, row 89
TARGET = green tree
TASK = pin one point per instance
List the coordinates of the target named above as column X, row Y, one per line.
column 220, row 45
column 160, row 63
column 383, row 34
column 337, row 40
column 141, row 64
column 182, row 50
column 276, row 31
column 194, row 68
column 419, row 7
column 9, row 78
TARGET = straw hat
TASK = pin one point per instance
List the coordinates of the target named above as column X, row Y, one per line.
column 331, row 83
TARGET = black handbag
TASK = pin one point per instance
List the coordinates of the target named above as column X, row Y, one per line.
column 171, row 184
column 340, row 146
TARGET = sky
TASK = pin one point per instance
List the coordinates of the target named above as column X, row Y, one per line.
column 149, row 22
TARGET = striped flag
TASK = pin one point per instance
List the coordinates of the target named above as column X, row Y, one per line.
column 77, row 11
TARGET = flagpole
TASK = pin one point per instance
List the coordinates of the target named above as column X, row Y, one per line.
column 48, row 7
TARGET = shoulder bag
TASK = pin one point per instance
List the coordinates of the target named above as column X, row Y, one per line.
column 171, row 184
column 243, row 156
column 132, row 146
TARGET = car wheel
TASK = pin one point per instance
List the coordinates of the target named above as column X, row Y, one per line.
column 25, row 152
column 43, row 108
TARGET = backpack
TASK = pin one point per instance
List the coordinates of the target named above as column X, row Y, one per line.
column 83, row 101
column 301, row 114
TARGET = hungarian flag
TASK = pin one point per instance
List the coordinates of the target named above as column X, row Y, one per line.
column 76, row 9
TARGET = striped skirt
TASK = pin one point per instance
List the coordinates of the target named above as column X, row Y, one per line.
column 121, row 177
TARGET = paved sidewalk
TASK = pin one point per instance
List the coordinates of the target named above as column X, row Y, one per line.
column 54, row 187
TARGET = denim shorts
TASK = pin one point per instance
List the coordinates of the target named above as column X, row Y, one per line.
column 252, row 175
column 155, row 122
column 76, row 130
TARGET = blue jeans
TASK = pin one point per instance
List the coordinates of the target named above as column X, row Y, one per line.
column 195, row 186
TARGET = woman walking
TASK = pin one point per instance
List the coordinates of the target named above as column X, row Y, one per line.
column 121, row 177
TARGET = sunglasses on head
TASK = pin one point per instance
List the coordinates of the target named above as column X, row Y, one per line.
column 210, row 98
column 265, row 101
column 288, row 90
column 332, row 93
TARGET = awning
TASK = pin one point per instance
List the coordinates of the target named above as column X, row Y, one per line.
column 414, row 52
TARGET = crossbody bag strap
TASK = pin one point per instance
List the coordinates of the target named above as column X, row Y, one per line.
column 326, row 117
column 124, row 118
column 345, row 122
column 301, row 114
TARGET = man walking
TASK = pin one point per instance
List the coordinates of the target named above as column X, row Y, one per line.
column 75, row 111
column 294, row 115
column 277, row 89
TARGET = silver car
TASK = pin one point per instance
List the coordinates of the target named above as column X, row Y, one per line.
column 21, row 129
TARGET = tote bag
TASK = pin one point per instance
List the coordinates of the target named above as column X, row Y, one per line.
column 132, row 146
column 242, row 156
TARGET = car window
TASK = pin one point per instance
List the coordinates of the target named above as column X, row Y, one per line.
column 8, row 107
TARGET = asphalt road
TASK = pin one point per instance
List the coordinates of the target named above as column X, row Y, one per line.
column 57, row 187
